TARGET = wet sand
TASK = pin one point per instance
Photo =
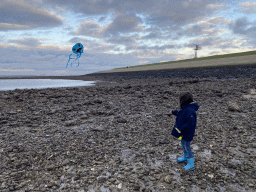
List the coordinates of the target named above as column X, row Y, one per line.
column 115, row 136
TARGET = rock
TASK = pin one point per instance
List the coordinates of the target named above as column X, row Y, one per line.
column 162, row 141
column 12, row 112
column 101, row 179
column 97, row 101
column 136, row 187
column 168, row 179
column 97, row 129
column 252, row 94
column 71, row 123
column 119, row 186
column 50, row 167
column 196, row 80
column 234, row 107
column 65, row 162
column 120, row 120
column 84, row 117
column 4, row 185
column 234, row 163
column 97, row 112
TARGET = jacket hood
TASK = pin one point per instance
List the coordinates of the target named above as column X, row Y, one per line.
column 194, row 106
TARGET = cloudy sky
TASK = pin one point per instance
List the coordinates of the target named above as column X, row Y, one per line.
column 36, row 36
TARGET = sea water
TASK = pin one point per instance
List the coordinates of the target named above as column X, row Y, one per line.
column 11, row 84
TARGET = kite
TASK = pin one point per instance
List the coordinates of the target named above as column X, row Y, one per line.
column 77, row 52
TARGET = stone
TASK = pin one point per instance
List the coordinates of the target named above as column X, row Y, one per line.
column 136, row 187
column 97, row 129
column 4, row 185
column 50, row 167
column 120, row 120
column 101, row 179
column 119, row 186
column 251, row 185
column 71, row 123
column 65, row 162
column 168, row 179
column 234, row 107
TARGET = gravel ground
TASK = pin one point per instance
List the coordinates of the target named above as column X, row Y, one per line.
column 115, row 136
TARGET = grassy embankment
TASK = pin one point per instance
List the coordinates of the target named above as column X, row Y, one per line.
column 198, row 59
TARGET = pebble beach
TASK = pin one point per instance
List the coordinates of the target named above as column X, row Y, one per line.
column 115, row 135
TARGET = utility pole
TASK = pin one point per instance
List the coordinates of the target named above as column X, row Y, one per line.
column 197, row 48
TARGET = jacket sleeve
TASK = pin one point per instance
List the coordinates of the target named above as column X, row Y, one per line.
column 175, row 112
column 190, row 121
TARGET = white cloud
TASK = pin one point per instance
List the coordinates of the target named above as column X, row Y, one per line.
column 21, row 15
column 248, row 7
column 31, row 42
column 123, row 24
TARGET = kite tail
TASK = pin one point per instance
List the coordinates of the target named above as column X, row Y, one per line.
column 78, row 55
column 69, row 60
column 78, row 63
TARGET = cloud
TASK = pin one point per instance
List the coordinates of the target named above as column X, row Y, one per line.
column 31, row 42
column 88, row 28
column 245, row 29
column 210, row 27
column 219, row 21
column 151, row 20
column 7, row 27
column 159, row 13
column 17, row 70
column 123, row 24
column 123, row 40
column 242, row 26
column 216, row 45
column 156, row 19
column 93, row 46
column 180, row 13
column 21, row 15
column 248, row 7
column 151, row 35
column 101, row 7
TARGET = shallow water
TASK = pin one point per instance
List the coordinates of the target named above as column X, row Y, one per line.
column 12, row 84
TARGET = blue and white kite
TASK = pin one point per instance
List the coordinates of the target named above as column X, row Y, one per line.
column 77, row 52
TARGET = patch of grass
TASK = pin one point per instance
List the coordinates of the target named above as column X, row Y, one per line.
column 198, row 59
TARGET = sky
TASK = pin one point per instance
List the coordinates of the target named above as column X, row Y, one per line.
column 37, row 36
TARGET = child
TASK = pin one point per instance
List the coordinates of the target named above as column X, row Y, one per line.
column 184, row 128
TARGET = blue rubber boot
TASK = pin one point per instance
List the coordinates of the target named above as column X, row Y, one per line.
column 190, row 165
column 182, row 159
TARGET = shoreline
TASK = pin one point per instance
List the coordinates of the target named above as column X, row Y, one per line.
column 215, row 71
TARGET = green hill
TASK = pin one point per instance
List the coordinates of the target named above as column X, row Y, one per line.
column 199, row 59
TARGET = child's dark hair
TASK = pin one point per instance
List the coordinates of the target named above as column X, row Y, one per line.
column 185, row 99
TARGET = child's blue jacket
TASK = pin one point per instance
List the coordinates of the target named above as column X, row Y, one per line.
column 185, row 121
